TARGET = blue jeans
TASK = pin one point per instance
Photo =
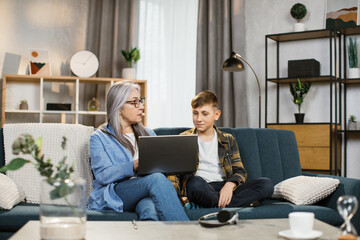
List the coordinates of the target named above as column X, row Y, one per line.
column 153, row 197
column 207, row 194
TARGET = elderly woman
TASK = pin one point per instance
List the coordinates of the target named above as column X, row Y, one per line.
column 114, row 162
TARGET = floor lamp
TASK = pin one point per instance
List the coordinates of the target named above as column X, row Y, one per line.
column 234, row 64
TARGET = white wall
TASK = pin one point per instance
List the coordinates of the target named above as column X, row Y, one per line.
column 271, row 17
column 58, row 26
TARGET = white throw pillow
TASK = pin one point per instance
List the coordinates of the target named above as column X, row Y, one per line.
column 10, row 193
column 305, row 190
column 77, row 152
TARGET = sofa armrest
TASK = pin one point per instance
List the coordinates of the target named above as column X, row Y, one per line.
column 347, row 186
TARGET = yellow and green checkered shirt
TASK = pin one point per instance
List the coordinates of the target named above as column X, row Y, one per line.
column 229, row 161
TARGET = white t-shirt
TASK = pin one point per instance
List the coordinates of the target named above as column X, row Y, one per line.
column 131, row 138
column 209, row 168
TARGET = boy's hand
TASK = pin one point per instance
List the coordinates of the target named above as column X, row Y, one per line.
column 136, row 165
column 226, row 194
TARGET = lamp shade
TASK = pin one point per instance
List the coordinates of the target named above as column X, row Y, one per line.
column 233, row 64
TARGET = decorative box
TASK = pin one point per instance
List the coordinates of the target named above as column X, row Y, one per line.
column 58, row 106
column 303, row 68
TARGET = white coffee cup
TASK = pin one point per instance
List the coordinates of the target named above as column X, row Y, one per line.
column 301, row 223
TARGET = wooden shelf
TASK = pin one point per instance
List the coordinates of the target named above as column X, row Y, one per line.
column 59, row 112
column 350, row 31
column 92, row 113
column 295, row 36
column 350, row 81
column 22, row 111
column 327, row 78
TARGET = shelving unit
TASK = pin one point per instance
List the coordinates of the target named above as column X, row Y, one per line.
column 344, row 83
column 40, row 90
column 322, row 155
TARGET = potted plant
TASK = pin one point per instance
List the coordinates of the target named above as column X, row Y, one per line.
column 298, row 12
column 352, row 122
column 23, row 105
column 63, row 198
column 299, row 91
column 131, row 56
column 354, row 71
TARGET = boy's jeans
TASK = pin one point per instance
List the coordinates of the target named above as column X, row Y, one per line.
column 207, row 194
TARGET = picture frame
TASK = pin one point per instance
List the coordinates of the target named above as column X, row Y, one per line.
column 39, row 62
column 341, row 14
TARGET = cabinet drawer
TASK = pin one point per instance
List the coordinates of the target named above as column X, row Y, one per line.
column 315, row 135
column 314, row 158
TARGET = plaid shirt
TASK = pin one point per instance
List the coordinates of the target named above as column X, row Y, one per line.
column 229, row 161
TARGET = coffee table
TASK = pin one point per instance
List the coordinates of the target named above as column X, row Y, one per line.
column 245, row 229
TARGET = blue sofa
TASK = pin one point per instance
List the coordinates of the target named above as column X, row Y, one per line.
column 265, row 153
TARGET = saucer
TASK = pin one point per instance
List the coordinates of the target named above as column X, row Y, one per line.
column 289, row 235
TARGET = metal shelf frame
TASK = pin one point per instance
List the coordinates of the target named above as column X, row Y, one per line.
column 335, row 49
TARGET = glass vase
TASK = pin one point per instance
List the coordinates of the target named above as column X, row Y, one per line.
column 63, row 209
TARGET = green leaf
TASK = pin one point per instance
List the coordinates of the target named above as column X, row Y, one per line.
column 63, row 143
column 38, row 143
column 15, row 164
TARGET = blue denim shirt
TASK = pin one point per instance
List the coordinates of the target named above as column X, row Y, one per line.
column 110, row 162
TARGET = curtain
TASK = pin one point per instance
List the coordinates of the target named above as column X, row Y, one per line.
column 167, row 42
column 221, row 30
column 111, row 27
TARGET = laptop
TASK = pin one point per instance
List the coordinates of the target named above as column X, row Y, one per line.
column 169, row 154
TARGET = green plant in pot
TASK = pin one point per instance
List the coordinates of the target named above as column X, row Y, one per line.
column 298, row 12
column 299, row 91
column 354, row 71
column 352, row 124
column 23, row 105
column 131, row 56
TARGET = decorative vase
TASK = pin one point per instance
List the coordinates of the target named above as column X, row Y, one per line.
column 93, row 104
column 128, row 73
column 299, row 118
column 299, row 27
column 352, row 125
column 63, row 209
column 354, row 73
column 23, row 106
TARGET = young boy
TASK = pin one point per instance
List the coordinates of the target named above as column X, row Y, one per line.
column 220, row 178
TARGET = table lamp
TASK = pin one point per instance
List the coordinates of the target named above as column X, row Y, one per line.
column 234, row 64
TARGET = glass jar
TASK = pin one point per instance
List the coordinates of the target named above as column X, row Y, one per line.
column 63, row 209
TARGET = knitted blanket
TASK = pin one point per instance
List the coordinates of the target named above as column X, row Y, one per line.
column 77, row 152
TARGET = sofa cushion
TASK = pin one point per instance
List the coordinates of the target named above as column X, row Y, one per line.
column 77, row 153
column 305, row 190
column 11, row 194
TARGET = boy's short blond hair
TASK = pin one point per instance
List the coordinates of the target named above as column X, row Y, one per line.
column 203, row 98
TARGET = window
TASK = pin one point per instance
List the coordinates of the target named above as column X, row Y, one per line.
column 167, row 41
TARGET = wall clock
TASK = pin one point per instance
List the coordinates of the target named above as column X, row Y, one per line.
column 84, row 64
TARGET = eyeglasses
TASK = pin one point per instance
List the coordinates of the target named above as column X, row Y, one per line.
column 137, row 102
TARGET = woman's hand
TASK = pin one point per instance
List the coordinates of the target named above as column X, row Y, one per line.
column 226, row 194
column 136, row 165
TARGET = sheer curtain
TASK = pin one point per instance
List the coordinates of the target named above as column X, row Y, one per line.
column 167, row 31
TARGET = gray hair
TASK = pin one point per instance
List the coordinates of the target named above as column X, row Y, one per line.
column 117, row 96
